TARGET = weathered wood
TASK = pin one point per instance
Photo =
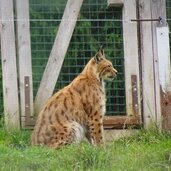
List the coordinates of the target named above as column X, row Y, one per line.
column 9, row 71
column 121, row 121
column 24, row 54
column 27, row 99
column 150, row 63
column 108, row 122
column 58, row 52
column 148, row 85
column 134, row 94
column 163, row 54
column 158, row 9
column 166, row 109
column 131, row 67
column 116, row 3
column 131, row 54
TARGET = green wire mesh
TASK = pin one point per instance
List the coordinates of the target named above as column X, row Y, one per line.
column 97, row 24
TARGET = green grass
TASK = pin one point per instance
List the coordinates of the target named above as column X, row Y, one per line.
column 146, row 151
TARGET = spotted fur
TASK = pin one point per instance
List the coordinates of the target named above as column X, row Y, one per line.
column 77, row 110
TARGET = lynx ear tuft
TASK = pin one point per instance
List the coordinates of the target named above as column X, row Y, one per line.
column 101, row 50
column 99, row 55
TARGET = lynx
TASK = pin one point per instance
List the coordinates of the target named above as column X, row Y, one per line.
column 76, row 111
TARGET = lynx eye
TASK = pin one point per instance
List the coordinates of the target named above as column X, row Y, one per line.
column 109, row 66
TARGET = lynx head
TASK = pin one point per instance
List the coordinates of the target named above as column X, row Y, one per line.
column 105, row 68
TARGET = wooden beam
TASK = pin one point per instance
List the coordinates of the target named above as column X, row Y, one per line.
column 166, row 108
column 131, row 56
column 121, row 121
column 9, row 71
column 150, row 63
column 130, row 53
column 109, row 122
column 24, row 56
column 147, row 60
column 115, row 3
column 163, row 60
column 58, row 52
column 163, row 53
column 158, row 9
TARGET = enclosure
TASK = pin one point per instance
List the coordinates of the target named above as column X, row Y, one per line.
column 46, row 43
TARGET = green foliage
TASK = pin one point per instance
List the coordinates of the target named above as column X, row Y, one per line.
column 145, row 151
column 1, row 121
column 15, row 139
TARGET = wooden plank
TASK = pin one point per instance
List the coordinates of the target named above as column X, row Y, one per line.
column 115, row 3
column 9, row 71
column 121, row 121
column 24, row 54
column 166, row 108
column 27, row 99
column 58, row 52
column 148, row 87
column 163, row 54
column 134, row 94
column 158, row 8
column 109, row 121
column 131, row 54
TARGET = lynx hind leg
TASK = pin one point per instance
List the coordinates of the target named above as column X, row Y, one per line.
column 68, row 133
column 78, row 132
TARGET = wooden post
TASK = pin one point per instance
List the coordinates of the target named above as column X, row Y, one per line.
column 158, row 9
column 24, row 56
column 150, row 9
column 58, row 52
column 9, row 71
column 131, row 57
column 147, row 60
column 163, row 54
column 115, row 3
column 131, row 60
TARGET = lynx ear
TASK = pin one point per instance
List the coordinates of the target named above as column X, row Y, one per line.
column 101, row 50
column 99, row 55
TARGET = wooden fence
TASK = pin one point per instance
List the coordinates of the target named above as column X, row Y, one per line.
column 146, row 55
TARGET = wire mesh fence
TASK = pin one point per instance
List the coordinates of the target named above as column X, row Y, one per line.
column 96, row 25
